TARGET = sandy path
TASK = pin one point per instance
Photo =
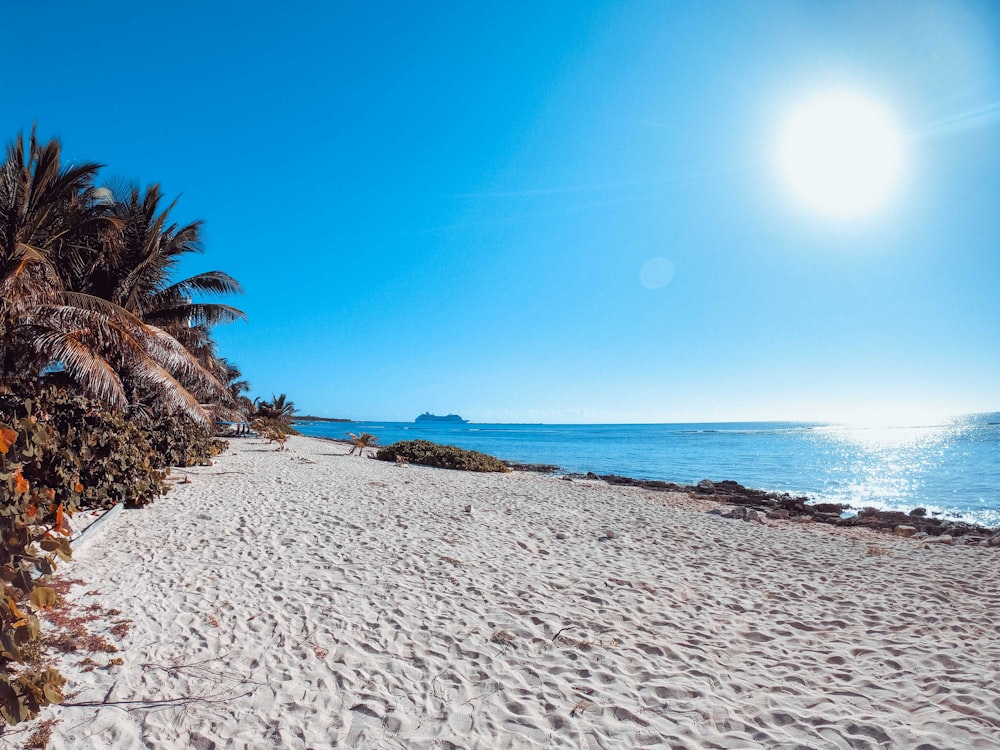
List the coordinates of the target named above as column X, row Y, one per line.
column 307, row 599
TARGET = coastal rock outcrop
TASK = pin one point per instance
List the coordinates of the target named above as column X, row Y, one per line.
column 782, row 506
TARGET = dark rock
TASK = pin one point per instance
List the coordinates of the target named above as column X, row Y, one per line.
column 893, row 516
column 918, row 512
column 792, row 504
column 826, row 517
column 706, row 487
column 591, row 475
column 943, row 539
column 537, row 468
column 778, row 513
column 828, row 508
column 649, row 484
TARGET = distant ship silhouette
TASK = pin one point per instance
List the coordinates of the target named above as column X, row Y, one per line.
column 428, row 417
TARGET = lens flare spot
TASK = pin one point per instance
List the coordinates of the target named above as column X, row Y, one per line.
column 657, row 273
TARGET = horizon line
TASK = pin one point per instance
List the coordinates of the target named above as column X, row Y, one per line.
column 935, row 421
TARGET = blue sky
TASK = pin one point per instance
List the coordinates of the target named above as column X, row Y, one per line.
column 449, row 206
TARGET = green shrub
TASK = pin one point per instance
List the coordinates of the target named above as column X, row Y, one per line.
column 181, row 442
column 107, row 452
column 61, row 451
column 275, row 426
column 443, row 456
column 33, row 533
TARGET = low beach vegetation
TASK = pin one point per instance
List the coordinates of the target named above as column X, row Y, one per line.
column 426, row 453
column 180, row 442
column 34, row 532
column 273, row 419
column 109, row 376
column 362, row 441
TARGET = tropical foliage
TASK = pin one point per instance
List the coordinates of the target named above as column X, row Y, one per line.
column 362, row 441
column 108, row 375
column 279, row 407
column 273, row 419
column 59, row 452
column 35, row 532
column 179, row 442
column 86, row 294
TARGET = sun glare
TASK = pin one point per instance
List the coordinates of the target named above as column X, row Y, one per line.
column 841, row 154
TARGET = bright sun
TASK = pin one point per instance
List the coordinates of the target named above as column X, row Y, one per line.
column 841, row 154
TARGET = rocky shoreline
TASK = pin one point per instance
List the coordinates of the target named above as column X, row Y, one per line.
column 758, row 505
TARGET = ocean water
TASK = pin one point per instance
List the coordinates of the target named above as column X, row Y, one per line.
column 951, row 469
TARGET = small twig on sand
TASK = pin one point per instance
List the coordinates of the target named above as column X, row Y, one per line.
column 184, row 700
column 205, row 670
column 202, row 669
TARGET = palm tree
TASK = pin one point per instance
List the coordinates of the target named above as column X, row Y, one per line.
column 54, row 226
column 44, row 207
column 135, row 272
column 362, row 441
column 133, row 269
column 233, row 378
column 279, row 407
column 237, row 386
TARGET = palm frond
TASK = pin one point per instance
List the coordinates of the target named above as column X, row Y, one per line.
column 195, row 313
column 85, row 286
column 209, row 282
column 90, row 371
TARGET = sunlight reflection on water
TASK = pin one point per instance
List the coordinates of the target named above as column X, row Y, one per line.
column 901, row 467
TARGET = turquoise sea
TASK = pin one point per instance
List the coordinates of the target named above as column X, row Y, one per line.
column 951, row 469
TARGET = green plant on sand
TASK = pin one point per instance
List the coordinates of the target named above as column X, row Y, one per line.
column 181, row 442
column 35, row 532
column 108, row 453
column 273, row 419
column 362, row 441
column 442, row 456
column 279, row 407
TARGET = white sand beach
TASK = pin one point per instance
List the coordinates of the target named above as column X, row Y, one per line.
column 311, row 599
